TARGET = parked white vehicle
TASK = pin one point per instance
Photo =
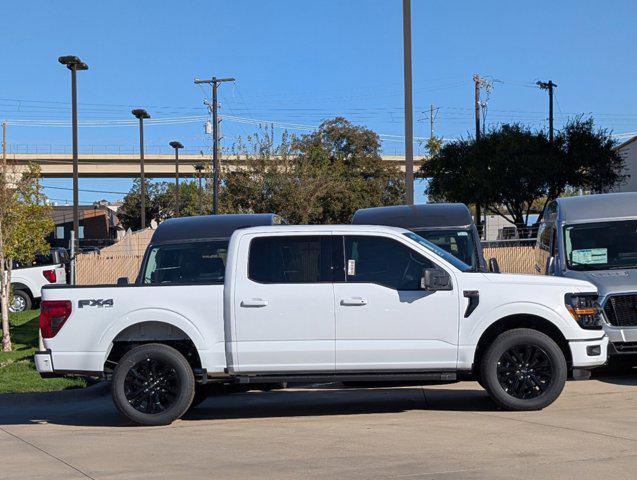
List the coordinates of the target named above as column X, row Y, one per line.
column 319, row 303
column 27, row 280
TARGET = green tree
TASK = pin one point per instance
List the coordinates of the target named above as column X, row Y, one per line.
column 25, row 221
column 513, row 169
column 321, row 177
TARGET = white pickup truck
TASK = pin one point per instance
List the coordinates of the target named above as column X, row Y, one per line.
column 315, row 304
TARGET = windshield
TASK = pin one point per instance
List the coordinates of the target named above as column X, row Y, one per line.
column 459, row 264
column 459, row 243
column 196, row 262
column 601, row 246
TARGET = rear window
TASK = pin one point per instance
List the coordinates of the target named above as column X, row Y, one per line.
column 459, row 243
column 186, row 263
column 293, row 259
column 40, row 260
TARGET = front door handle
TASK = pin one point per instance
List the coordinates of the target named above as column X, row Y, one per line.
column 353, row 301
column 254, row 303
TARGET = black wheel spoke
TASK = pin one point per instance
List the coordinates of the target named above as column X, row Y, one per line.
column 525, row 371
column 151, row 386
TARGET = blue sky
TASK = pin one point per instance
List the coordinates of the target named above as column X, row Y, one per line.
column 299, row 62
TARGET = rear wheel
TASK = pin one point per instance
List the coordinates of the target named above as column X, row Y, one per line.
column 523, row 369
column 20, row 302
column 153, row 384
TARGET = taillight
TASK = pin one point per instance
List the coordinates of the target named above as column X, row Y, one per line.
column 53, row 314
column 50, row 275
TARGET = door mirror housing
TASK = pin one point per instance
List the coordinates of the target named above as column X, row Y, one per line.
column 434, row 279
column 494, row 267
column 122, row 281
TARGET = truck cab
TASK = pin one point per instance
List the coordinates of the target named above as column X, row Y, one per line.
column 594, row 238
column 448, row 225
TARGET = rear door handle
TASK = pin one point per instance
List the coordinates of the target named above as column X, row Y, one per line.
column 254, row 303
column 353, row 301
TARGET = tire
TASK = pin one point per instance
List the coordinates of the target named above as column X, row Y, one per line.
column 523, row 369
column 21, row 302
column 153, row 384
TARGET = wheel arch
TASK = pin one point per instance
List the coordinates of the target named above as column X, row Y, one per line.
column 511, row 322
column 23, row 287
column 151, row 331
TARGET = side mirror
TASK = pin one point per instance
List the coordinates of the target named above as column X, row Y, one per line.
column 550, row 263
column 493, row 265
column 434, row 279
column 122, row 281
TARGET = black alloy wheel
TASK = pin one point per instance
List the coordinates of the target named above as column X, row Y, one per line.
column 525, row 371
column 151, row 386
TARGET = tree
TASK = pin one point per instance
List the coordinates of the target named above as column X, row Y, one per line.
column 321, row 177
column 25, row 221
column 512, row 168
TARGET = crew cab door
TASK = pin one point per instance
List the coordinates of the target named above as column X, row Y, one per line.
column 284, row 304
column 384, row 320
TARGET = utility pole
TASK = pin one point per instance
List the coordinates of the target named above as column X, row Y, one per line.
column 4, row 146
column 477, row 81
column 432, row 118
column 549, row 86
column 214, row 107
column 409, row 114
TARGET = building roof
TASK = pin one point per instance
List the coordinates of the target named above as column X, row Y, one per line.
column 430, row 215
column 209, row 226
column 597, row 207
column 64, row 213
column 626, row 143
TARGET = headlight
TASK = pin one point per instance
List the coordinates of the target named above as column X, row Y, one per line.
column 584, row 309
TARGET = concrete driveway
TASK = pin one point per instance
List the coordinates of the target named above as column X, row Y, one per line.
column 441, row 432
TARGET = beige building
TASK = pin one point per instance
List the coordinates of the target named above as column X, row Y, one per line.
column 628, row 150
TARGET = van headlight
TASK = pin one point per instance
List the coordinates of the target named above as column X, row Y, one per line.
column 585, row 310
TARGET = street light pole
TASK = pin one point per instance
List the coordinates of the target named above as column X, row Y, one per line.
column 74, row 64
column 141, row 114
column 409, row 113
column 199, row 168
column 176, row 145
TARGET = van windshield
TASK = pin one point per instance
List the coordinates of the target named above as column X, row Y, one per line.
column 457, row 242
column 459, row 264
column 186, row 263
column 601, row 245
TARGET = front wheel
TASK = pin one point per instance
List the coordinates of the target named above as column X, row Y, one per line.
column 523, row 369
column 153, row 384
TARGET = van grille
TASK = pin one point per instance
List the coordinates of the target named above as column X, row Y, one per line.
column 621, row 310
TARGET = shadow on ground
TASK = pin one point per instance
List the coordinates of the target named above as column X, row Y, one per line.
column 317, row 401
column 282, row 403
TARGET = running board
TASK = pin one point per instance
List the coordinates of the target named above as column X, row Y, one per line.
column 349, row 377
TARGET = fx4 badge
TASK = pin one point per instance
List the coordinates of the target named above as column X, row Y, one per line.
column 95, row 303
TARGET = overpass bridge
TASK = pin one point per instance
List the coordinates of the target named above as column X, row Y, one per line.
column 126, row 165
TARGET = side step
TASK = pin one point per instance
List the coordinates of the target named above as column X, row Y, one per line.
column 350, row 377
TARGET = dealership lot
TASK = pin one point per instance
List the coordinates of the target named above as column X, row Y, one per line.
column 450, row 431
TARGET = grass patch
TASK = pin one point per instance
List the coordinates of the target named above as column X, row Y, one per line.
column 17, row 369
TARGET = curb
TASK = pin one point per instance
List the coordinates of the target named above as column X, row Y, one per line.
column 98, row 390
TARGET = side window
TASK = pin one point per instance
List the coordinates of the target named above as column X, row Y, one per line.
column 196, row 262
column 291, row 259
column 383, row 261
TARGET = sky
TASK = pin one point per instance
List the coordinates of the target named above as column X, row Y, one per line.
column 297, row 63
